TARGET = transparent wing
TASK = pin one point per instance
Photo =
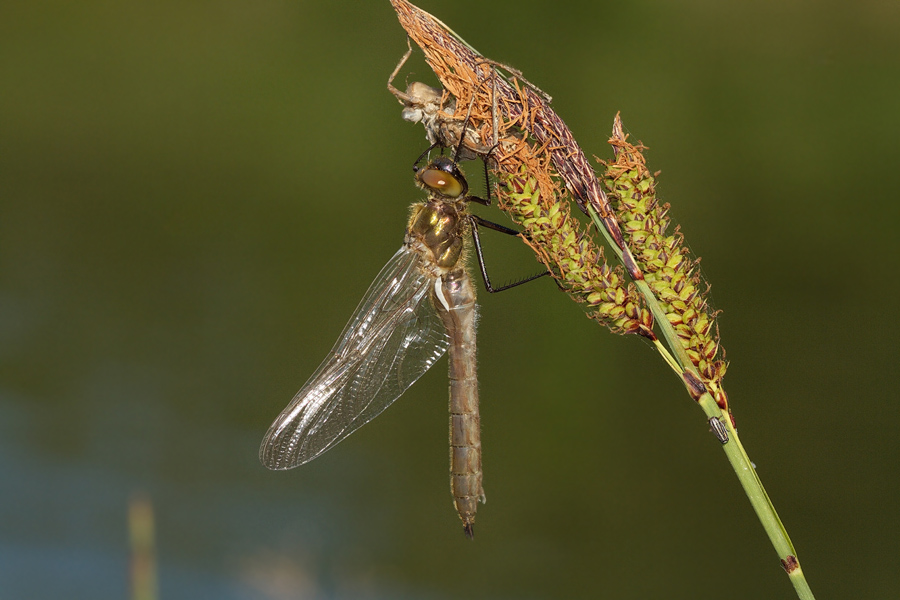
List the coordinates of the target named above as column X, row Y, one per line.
column 394, row 336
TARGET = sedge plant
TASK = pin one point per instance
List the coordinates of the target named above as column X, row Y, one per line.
column 652, row 288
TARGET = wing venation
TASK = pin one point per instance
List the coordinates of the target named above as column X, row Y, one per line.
column 394, row 336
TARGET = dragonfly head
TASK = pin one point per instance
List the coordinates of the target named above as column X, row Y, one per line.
column 442, row 176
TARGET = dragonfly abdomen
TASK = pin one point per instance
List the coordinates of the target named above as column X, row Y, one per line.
column 456, row 306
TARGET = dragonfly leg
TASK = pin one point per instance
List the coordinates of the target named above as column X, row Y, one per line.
column 477, row 222
column 487, row 178
column 462, row 135
column 487, row 186
column 485, row 157
column 421, row 156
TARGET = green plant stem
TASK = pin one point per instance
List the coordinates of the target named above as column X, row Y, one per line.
column 734, row 450
column 759, row 499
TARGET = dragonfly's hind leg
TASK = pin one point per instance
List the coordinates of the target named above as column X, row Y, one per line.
column 477, row 222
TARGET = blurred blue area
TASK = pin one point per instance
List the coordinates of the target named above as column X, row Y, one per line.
column 194, row 197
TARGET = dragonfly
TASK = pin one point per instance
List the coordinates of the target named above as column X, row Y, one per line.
column 421, row 305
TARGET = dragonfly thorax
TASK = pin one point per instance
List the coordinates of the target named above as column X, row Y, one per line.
column 439, row 226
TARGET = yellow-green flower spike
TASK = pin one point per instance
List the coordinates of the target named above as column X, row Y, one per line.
column 572, row 257
column 668, row 267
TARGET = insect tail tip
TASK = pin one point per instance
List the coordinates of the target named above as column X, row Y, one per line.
column 469, row 528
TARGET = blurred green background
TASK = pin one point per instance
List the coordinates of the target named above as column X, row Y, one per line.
column 195, row 195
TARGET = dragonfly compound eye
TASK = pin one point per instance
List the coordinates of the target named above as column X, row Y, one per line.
column 441, row 182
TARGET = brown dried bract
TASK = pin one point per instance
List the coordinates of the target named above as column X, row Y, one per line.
column 506, row 109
